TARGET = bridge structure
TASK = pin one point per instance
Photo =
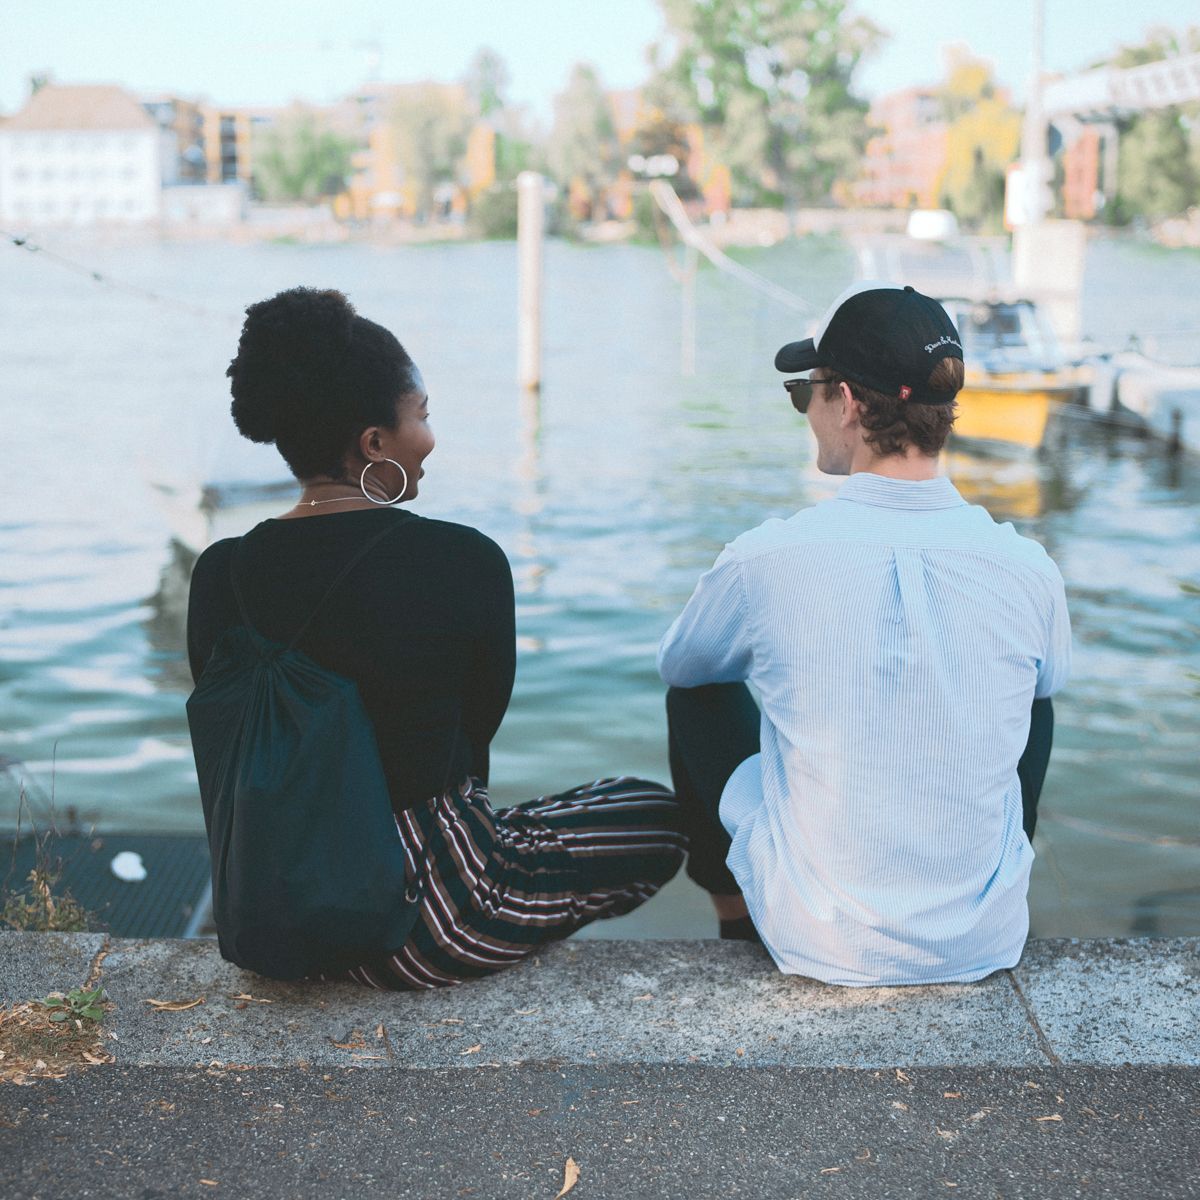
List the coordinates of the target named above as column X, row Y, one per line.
column 1086, row 110
column 1110, row 92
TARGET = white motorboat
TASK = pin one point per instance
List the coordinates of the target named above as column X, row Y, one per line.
column 1163, row 399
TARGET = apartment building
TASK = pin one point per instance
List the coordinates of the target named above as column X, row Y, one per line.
column 81, row 155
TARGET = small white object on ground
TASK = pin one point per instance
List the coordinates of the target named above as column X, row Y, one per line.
column 128, row 865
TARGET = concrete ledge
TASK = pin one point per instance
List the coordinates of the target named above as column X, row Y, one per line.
column 612, row 1003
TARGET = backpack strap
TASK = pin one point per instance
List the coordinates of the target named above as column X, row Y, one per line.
column 341, row 575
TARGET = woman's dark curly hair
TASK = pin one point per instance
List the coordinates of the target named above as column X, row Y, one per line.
column 310, row 375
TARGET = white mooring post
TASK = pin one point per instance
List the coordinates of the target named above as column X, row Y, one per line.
column 687, row 340
column 530, row 222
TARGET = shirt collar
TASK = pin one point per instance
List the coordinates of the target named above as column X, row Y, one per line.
column 881, row 491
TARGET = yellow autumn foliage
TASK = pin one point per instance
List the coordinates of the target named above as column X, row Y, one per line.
column 988, row 135
column 983, row 138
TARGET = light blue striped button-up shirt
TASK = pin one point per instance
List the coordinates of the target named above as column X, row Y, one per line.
column 896, row 637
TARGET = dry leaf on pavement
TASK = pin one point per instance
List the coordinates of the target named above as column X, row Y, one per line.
column 173, row 1005
column 570, row 1177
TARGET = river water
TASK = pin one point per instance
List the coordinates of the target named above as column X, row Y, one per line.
column 610, row 495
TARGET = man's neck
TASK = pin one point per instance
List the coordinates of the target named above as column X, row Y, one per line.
column 911, row 465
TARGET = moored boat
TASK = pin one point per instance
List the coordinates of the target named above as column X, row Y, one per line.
column 1015, row 373
column 1161, row 398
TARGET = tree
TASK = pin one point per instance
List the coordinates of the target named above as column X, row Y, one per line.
column 582, row 148
column 429, row 124
column 486, row 81
column 300, row 159
column 983, row 138
column 1158, row 168
column 770, row 82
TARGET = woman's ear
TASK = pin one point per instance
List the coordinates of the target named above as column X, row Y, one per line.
column 370, row 445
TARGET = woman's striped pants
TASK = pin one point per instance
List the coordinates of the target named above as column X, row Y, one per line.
column 495, row 886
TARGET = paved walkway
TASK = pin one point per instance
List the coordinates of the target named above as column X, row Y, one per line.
column 663, row 1069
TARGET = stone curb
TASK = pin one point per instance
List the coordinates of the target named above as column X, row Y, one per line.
column 1087, row 1003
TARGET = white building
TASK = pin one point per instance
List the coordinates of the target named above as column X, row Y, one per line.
column 78, row 156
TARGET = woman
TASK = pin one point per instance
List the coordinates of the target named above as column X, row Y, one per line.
column 424, row 626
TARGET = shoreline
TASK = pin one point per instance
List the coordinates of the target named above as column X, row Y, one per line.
column 744, row 229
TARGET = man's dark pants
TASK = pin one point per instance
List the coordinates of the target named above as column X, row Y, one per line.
column 713, row 729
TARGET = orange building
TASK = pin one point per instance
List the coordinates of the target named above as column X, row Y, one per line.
column 1089, row 166
column 904, row 161
column 381, row 184
column 228, row 142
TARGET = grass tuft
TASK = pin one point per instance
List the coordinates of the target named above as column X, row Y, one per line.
column 37, row 907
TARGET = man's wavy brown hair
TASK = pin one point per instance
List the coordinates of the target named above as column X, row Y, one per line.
column 892, row 424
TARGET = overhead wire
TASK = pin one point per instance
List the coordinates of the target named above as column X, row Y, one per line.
column 103, row 279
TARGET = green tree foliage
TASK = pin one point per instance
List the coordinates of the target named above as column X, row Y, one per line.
column 494, row 214
column 300, row 159
column 771, row 82
column 583, row 143
column 1158, row 168
column 515, row 152
column 486, row 81
column 429, row 126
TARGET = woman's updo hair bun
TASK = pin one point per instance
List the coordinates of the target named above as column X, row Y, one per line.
column 310, row 375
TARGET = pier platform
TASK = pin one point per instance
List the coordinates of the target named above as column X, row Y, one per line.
column 658, row 1068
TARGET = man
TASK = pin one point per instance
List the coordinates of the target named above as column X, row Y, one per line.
column 874, row 820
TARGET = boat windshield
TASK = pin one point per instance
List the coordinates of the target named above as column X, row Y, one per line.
column 1006, row 336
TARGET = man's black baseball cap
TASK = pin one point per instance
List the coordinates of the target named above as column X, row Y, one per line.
column 887, row 338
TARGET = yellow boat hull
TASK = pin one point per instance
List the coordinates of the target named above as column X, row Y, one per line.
column 1012, row 409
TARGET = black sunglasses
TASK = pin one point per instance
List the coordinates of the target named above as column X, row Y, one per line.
column 800, row 391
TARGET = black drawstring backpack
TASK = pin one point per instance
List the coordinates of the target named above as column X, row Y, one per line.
column 308, row 870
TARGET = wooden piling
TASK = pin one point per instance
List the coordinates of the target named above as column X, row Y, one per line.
column 530, row 228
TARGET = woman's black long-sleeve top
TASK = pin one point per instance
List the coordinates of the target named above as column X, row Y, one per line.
column 424, row 625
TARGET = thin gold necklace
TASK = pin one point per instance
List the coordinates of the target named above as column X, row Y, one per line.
column 335, row 500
